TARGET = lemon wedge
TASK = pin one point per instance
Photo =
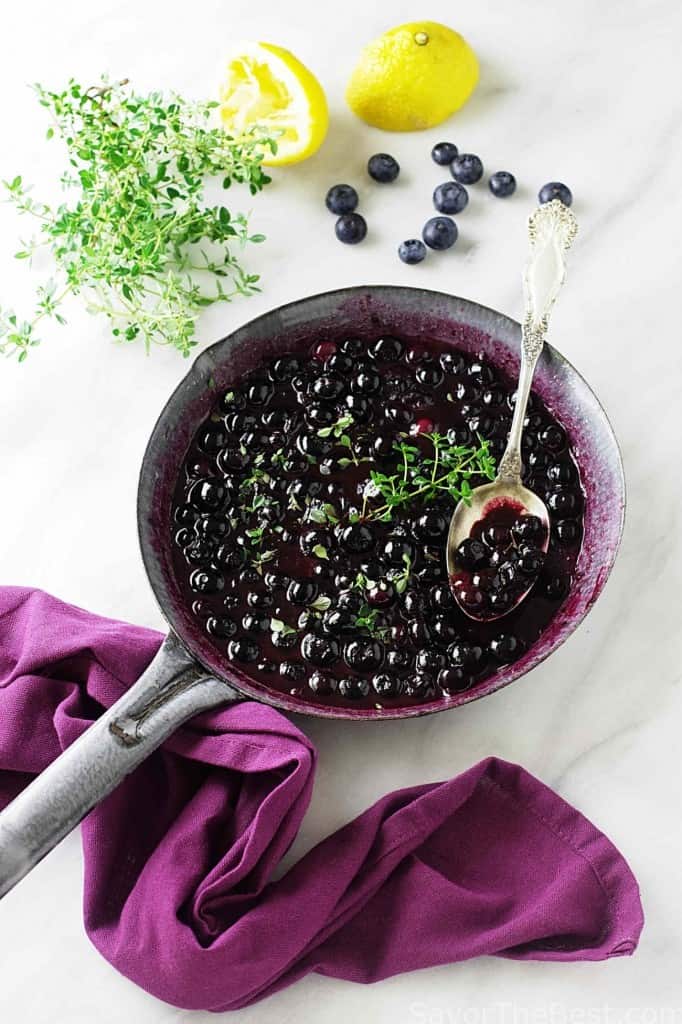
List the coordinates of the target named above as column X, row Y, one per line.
column 412, row 77
column 266, row 86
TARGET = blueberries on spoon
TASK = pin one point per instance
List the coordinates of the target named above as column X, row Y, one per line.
column 443, row 153
column 555, row 190
column 383, row 167
column 350, row 228
column 440, row 232
column 467, row 169
column 341, row 199
column 450, row 197
column 502, row 184
column 412, row 251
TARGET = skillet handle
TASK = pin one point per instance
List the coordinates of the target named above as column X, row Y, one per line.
column 173, row 688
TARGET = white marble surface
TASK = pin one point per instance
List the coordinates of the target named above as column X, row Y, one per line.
column 585, row 92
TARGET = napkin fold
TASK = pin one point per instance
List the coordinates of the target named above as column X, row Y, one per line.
column 179, row 895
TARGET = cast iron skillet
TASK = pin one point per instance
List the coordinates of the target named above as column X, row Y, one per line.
column 187, row 675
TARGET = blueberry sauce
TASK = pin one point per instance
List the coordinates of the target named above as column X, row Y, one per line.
column 312, row 592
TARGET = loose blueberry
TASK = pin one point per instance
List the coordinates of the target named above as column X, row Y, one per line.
column 412, row 251
column 531, row 561
column 440, row 233
column 386, row 686
column 364, row 655
column 350, row 228
column 450, row 197
column 418, row 685
column 555, row 190
column 454, row 680
column 319, row 650
column 302, row 592
column 387, row 349
column 506, row 647
column 294, row 671
column 443, row 153
column 221, row 626
column 341, row 199
column 467, row 169
column 243, row 650
column 321, row 684
column 502, row 184
column 357, row 538
column 383, row 167
column 206, row 581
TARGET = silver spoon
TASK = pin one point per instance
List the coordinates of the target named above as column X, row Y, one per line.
column 551, row 231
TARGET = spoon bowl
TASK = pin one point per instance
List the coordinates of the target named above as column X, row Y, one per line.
column 484, row 500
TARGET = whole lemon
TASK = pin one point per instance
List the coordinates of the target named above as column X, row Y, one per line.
column 412, row 77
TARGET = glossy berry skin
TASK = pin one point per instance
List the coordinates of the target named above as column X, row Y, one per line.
column 472, row 554
column 383, row 167
column 353, row 688
column 467, row 169
column 350, row 228
column 555, row 190
column 502, row 184
column 412, row 251
column 450, row 197
column 341, row 199
column 443, row 153
column 440, row 233
column 505, row 647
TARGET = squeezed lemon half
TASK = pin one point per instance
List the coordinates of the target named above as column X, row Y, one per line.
column 266, row 85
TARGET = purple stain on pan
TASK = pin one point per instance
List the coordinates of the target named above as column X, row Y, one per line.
column 413, row 313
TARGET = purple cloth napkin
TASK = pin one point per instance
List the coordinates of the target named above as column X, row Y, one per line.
column 178, row 860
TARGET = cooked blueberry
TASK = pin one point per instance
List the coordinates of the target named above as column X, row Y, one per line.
column 399, row 658
column 450, row 197
column 431, row 526
column 320, row 415
column 359, row 407
column 428, row 659
column 285, row 368
column 232, row 401
column 259, row 599
column 506, row 647
column 440, row 232
column 284, row 639
column 302, row 592
column 454, row 680
column 352, row 346
column 353, row 688
column 212, row 438
column 500, row 601
column 555, row 190
column 350, row 600
column 357, row 538
column 420, row 684
column 531, row 561
column 364, row 655
column 387, row 349
column 398, row 414
column 467, row 168
column 328, row 386
column 398, row 549
column 562, row 502
column 472, row 554
column 496, row 535
column 341, row 199
column 319, row 650
column 208, row 495
column 350, row 228
column 265, row 665
column 366, row 382
column 502, row 184
column 471, row 598
column 382, row 595
column 243, row 650
column 258, row 391
column 429, row 375
column 553, row 438
column 562, row 473
column 221, row 626
column 293, row 671
column 231, row 556
column 443, row 153
column 466, row 655
column 481, row 372
column 339, row 621
column 322, row 684
column 528, row 528
column 313, row 538
column 249, row 576
column 412, row 251
column 256, row 622
column 441, row 598
column 385, row 685
column 420, row 631
column 568, row 531
column 444, row 629
column 383, row 167
column 206, row 581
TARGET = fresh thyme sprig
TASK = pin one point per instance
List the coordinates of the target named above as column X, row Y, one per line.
column 448, row 469
column 134, row 233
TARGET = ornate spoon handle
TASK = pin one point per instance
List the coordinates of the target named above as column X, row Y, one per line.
column 551, row 231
